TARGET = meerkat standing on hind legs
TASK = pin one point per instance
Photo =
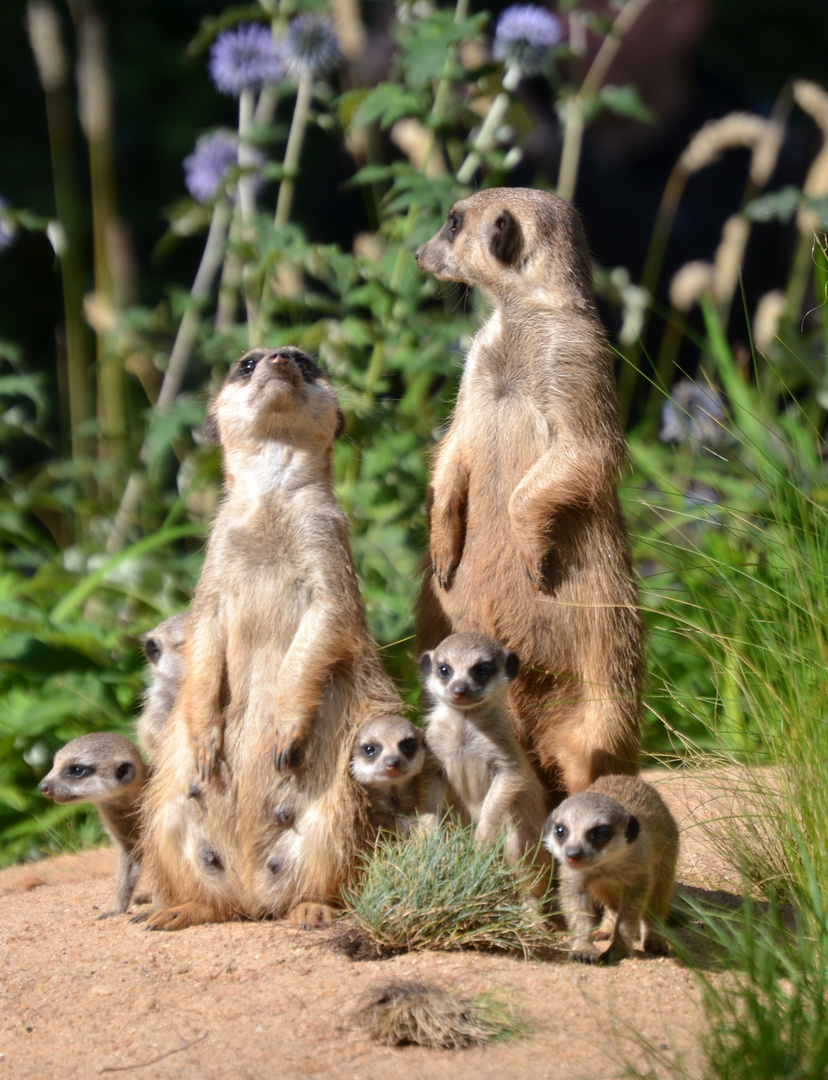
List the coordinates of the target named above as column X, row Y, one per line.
column 617, row 844
column 527, row 538
column 252, row 809
column 105, row 769
column 467, row 727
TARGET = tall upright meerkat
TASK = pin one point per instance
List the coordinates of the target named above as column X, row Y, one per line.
column 617, row 844
column 466, row 679
column 164, row 650
column 527, row 538
column 252, row 809
column 105, row 769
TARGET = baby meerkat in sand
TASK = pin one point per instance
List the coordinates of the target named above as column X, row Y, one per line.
column 527, row 537
column 391, row 761
column 105, row 769
column 164, row 650
column 617, row 845
column 252, row 809
column 467, row 728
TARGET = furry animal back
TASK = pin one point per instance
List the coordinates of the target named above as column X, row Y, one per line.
column 252, row 809
column 528, row 542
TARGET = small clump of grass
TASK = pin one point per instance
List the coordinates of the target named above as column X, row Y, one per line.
column 404, row 1013
column 440, row 889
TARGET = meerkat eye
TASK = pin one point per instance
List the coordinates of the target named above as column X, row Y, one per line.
column 444, row 671
column 485, row 669
column 560, row 832
column 78, row 771
column 600, row 834
column 408, row 747
column 310, row 371
column 247, row 364
column 453, row 224
column 368, row 750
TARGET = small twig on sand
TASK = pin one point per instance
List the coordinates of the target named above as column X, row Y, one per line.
column 152, row 1061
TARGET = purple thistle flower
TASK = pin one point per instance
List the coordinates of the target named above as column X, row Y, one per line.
column 206, row 169
column 524, row 35
column 311, row 45
column 244, row 59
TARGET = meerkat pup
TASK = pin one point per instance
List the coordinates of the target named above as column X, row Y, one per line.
column 252, row 809
column 164, row 650
column 392, row 762
column 467, row 728
column 527, row 538
column 617, row 844
column 105, row 769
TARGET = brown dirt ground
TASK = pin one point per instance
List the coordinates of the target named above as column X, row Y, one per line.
column 81, row 998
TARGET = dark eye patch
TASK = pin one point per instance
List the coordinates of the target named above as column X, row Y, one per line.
column 369, row 750
column 444, row 671
column 408, row 747
column 310, row 371
column 77, row 772
column 485, row 669
column 453, row 224
column 599, row 835
column 560, row 832
column 245, row 367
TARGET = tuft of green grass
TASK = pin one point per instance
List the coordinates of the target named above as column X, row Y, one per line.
column 440, row 889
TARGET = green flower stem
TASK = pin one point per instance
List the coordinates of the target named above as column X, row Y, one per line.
column 485, row 138
column 575, row 108
column 247, row 206
column 182, row 348
column 293, row 150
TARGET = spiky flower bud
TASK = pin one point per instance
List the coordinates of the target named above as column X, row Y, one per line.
column 524, row 35
column 244, row 59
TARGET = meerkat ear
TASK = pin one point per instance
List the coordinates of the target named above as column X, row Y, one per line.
column 425, row 664
column 340, row 423
column 212, row 433
column 506, row 242
column 632, row 829
column 510, row 667
column 125, row 773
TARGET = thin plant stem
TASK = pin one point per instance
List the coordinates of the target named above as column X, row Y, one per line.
column 247, row 205
column 44, row 35
column 575, row 107
column 293, row 150
column 185, row 339
column 484, row 140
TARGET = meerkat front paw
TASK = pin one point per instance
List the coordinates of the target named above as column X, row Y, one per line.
column 310, row 916
column 288, row 755
column 207, row 752
column 587, row 954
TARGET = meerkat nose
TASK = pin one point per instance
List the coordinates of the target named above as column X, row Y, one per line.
column 277, row 358
column 392, row 763
column 574, row 855
column 45, row 788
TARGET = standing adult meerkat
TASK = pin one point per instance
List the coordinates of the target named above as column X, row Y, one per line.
column 252, row 809
column 106, row 770
column 164, row 650
column 467, row 727
column 527, row 538
column 392, row 762
column 617, row 844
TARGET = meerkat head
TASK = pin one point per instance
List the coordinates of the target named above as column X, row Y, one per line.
column 277, row 395
column 590, row 831
column 512, row 242
column 388, row 750
column 165, row 641
column 467, row 668
column 97, row 768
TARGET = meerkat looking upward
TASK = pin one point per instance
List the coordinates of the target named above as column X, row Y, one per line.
column 467, row 728
column 164, row 650
column 105, row 769
column 391, row 761
column 617, row 844
column 527, row 537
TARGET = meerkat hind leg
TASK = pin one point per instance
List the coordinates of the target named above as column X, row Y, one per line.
column 625, row 935
column 129, row 870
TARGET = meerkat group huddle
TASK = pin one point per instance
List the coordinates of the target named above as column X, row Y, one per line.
column 277, row 745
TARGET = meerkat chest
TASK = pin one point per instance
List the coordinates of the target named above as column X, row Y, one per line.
column 466, row 757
